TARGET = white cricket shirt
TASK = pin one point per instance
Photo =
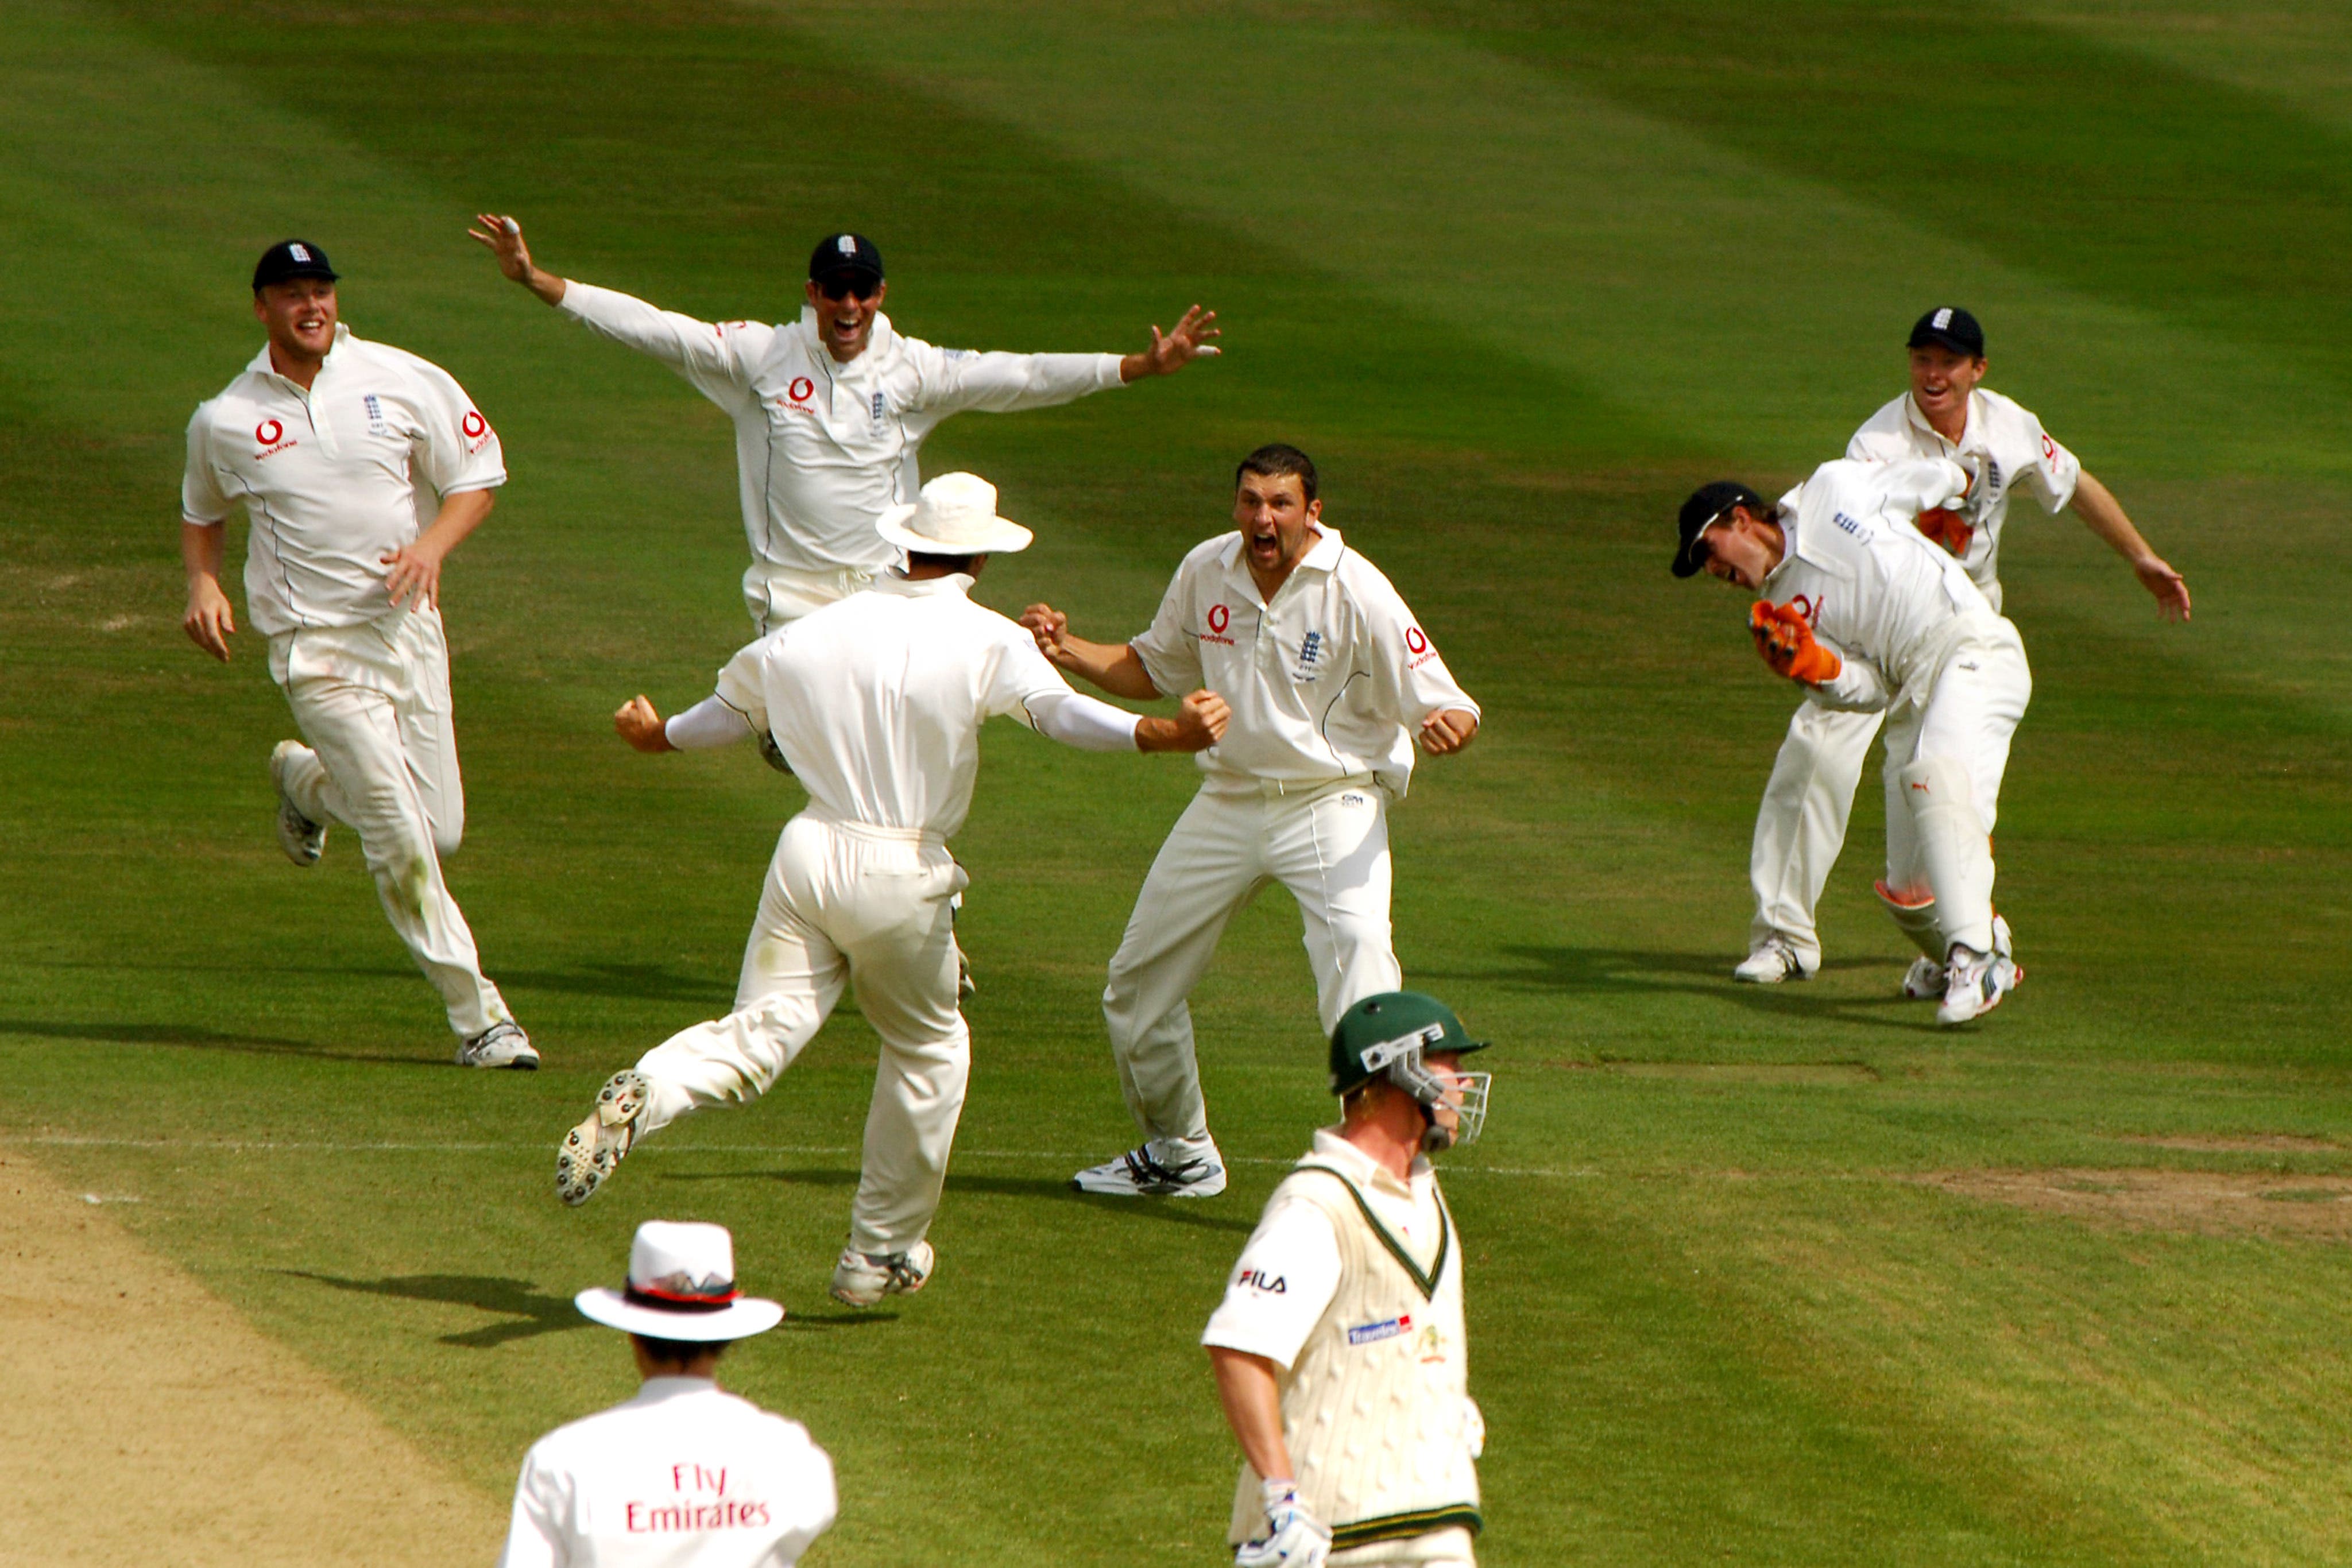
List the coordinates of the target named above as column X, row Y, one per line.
column 822, row 448
column 2011, row 449
column 1330, row 681
column 876, row 701
column 683, row 1476
column 1891, row 602
column 1289, row 1268
column 330, row 477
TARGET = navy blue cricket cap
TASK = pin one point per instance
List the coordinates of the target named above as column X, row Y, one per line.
column 1948, row 327
column 845, row 256
column 1707, row 502
column 290, row 258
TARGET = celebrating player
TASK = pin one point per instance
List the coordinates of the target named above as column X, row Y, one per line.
column 324, row 439
column 876, row 702
column 1339, row 1349
column 831, row 410
column 1868, row 615
column 1330, row 679
column 1801, row 826
column 686, row 1474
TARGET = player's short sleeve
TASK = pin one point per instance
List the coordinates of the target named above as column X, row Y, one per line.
column 458, row 450
column 2051, row 472
column 535, row 1534
column 1016, row 671
column 1170, row 650
column 1277, row 1292
column 1408, row 679
column 743, row 685
column 201, row 499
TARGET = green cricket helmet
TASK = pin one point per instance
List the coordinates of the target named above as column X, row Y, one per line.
column 1389, row 1036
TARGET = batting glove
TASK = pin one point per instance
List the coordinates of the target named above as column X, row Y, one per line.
column 1785, row 639
column 1948, row 528
column 1294, row 1538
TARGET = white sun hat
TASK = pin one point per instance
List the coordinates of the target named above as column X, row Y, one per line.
column 681, row 1287
column 955, row 515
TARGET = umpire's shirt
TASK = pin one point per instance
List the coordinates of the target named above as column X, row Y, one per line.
column 683, row 1476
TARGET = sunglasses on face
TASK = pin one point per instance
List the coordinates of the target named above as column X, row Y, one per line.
column 848, row 288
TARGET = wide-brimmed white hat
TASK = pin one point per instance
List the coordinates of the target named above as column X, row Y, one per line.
column 681, row 1287
column 955, row 515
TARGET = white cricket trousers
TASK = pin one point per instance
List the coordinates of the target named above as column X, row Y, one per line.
column 845, row 904
column 373, row 703
column 776, row 594
column 1328, row 844
column 1800, row 825
column 1943, row 764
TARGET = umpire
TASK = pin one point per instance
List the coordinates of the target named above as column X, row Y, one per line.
column 685, row 1475
column 1338, row 1349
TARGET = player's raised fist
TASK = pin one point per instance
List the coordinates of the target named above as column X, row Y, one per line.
column 1202, row 717
column 1046, row 624
column 1443, row 734
column 639, row 723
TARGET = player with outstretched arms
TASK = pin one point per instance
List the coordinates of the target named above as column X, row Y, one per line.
column 1802, row 823
column 1332, row 681
column 876, row 702
column 1869, row 616
column 830, row 410
column 1339, row 1350
column 340, row 449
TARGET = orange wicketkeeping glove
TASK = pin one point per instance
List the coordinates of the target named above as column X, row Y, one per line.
column 1786, row 640
column 1947, row 528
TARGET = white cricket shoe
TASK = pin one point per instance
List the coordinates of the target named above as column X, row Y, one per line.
column 1137, row 1174
column 303, row 840
column 1924, row 981
column 593, row 1150
column 862, row 1279
column 502, row 1044
column 1974, row 984
column 1772, row 962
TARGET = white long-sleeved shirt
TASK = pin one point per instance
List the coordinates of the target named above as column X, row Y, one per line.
column 1330, row 681
column 334, row 478
column 822, row 448
column 2009, row 448
column 876, row 701
column 1889, row 601
column 683, row 1476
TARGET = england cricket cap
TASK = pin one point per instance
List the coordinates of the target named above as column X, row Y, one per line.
column 681, row 1287
column 845, row 255
column 1707, row 502
column 289, row 259
column 1948, row 327
column 1380, row 1029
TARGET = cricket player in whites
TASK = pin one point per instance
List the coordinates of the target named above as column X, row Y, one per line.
column 876, row 702
column 1339, row 1349
column 332, row 444
column 830, row 410
column 1800, row 825
column 1861, row 609
column 1331, row 680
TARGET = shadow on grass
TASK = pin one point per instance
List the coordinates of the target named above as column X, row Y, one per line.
column 791, row 1179
column 529, row 1312
column 1632, row 971
column 193, row 1038
column 1045, row 1189
column 631, row 982
column 840, row 1320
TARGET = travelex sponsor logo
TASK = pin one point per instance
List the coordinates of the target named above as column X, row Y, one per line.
column 1387, row 1328
column 1259, row 1279
column 1220, row 617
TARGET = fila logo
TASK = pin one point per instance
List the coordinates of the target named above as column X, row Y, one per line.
column 800, row 388
column 1259, row 1279
column 1943, row 318
column 268, row 432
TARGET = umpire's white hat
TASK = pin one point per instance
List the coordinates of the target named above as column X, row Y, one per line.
column 955, row 515
column 681, row 1287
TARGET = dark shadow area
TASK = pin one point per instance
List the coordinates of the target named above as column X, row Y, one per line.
column 193, row 1039
column 843, row 1319
column 631, row 982
column 791, row 1179
column 1625, row 971
column 529, row 1313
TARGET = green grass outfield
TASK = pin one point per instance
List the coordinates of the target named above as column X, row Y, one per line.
column 1518, row 274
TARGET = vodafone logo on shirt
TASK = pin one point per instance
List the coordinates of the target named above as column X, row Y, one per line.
column 800, row 388
column 1417, row 649
column 1220, row 617
column 476, row 429
column 270, row 436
